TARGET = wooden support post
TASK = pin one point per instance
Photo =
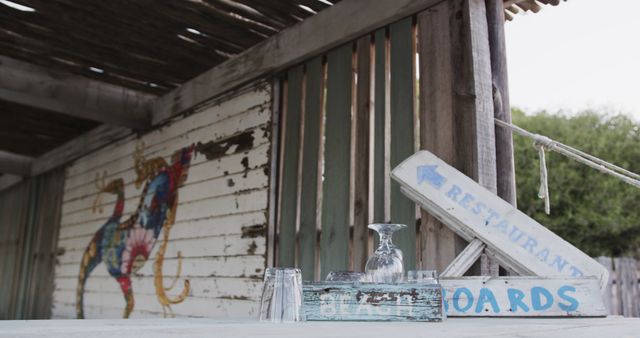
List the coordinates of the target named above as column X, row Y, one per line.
column 502, row 110
column 439, row 244
column 456, row 107
column 505, row 167
column 474, row 101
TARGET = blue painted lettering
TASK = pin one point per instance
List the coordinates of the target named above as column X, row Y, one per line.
column 478, row 208
column 516, row 299
column 502, row 226
column 562, row 293
column 559, row 262
column 445, row 301
column 515, row 232
column 529, row 244
column 543, row 255
column 492, row 215
column 454, row 192
column 536, row 300
column 575, row 272
column 486, row 296
column 464, row 202
column 457, row 297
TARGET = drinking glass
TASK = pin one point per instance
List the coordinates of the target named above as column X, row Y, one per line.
column 422, row 276
column 385, row 266
column 346, row 276
column 281, row 295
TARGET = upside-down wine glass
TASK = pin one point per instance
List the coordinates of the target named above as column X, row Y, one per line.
column 385, row 266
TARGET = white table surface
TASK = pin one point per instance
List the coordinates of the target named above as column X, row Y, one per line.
column 451, row 328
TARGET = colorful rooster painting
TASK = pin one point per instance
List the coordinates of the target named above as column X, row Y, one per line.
column 125, row 247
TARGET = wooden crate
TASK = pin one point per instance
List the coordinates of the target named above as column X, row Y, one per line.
column 348, row 301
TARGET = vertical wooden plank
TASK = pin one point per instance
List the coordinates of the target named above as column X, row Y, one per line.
column 401, row 125
column 27, row 250
column 627, row 284
column 439, row 244
column 320, row 173
column 457, row 106
column 630, row 287
column 362, row 121
column 274, row 172
column 38, row 284
column 636, row 287
column 289, row 193
column 334, row 242
column 623, row 273
column 473, row 98
column 314, row 93
column 607, row 293
column 13, row 215
column 619, row 288
column 505, row 168
column 379, row 129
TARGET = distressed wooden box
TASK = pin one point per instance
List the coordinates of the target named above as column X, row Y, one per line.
column 347, row 301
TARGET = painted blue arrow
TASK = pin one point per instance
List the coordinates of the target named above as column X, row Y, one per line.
column 429, row 174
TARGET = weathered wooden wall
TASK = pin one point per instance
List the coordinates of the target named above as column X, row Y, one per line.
column 220, row 223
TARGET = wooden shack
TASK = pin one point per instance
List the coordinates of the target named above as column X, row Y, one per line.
column 156, row 157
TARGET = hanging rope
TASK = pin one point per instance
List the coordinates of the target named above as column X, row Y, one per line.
column 543, row 192
column 543, row 143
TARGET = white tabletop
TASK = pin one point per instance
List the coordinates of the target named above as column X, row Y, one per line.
column 451, row 328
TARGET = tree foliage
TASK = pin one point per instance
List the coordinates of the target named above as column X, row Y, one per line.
column 594, row 211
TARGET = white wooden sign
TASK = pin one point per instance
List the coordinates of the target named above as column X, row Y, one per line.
column 522, row 297
column 518, row 241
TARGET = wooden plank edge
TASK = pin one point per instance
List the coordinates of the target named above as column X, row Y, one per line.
column 69, row 94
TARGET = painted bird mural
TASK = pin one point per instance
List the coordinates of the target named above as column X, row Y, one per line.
column 124, row 247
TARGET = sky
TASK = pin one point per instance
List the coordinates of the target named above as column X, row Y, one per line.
column 582, row 54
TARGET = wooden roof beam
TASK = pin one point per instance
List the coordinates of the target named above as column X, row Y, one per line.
column 341, row 23
column 15, row 164
column 74, row 95
column 7, row 181
column 82, row 145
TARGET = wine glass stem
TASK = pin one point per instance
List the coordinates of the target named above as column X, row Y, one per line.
column 385, row 241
